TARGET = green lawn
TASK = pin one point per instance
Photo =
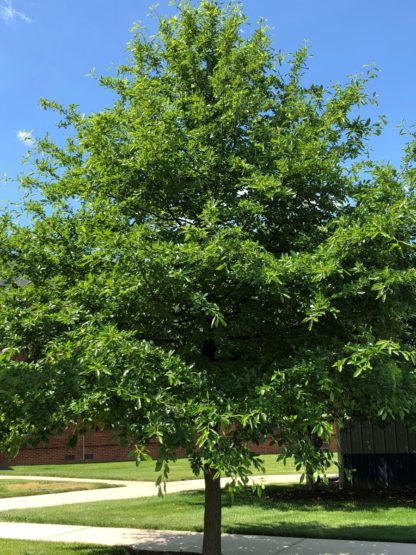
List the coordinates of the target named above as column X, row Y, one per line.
column 20, row 547
column 18, row 488
column 282, row 511
column 128, row 470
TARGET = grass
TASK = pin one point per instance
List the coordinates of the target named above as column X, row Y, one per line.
column 19, row 488
column 282, row 511
column 23, row 547
column 128, row 470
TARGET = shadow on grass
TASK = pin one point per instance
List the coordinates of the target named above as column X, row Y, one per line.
column 119, row 550
column 295, row 498
column 387, row 532
column 331, row 498
column 152, row 552
column 104, row 550
column 33, row 548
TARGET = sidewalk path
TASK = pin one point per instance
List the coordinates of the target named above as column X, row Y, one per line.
column 188, row 542
column 127, row 490
column 181, row 542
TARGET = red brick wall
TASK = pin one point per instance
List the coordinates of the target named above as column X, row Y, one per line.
column 101, row 445
column 103, row 448
column 265, row 448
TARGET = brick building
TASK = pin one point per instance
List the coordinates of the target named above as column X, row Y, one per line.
column 91, row 447
column 99, row 446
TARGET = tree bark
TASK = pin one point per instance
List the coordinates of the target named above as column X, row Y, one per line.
column 317, row 444
column 310, row 482
column 212, row 515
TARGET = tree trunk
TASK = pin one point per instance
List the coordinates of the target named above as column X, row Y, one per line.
column 212, row 515
column 310, row 482
column 317, row 444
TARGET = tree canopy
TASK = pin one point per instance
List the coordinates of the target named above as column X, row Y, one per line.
column 212, row 260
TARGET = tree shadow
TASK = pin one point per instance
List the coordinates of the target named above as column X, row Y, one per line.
column 317, row 530
column 85, row 549
column 285, row 499
column 153, row 552
column 289, row 498
column 101, row 550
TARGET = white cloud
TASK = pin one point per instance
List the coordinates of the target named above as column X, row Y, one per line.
column 8, row 12
column 25, row 137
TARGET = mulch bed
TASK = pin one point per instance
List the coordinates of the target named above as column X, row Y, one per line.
column 332, row 492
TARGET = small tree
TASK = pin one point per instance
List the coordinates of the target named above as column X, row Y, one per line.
column 211, row 261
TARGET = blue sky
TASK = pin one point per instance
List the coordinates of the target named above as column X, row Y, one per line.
column 48, row 46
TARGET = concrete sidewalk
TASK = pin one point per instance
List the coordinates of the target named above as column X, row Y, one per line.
column 127, row 490
column 188, row 542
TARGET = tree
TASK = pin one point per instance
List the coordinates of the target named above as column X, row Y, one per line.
column 211, row 261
